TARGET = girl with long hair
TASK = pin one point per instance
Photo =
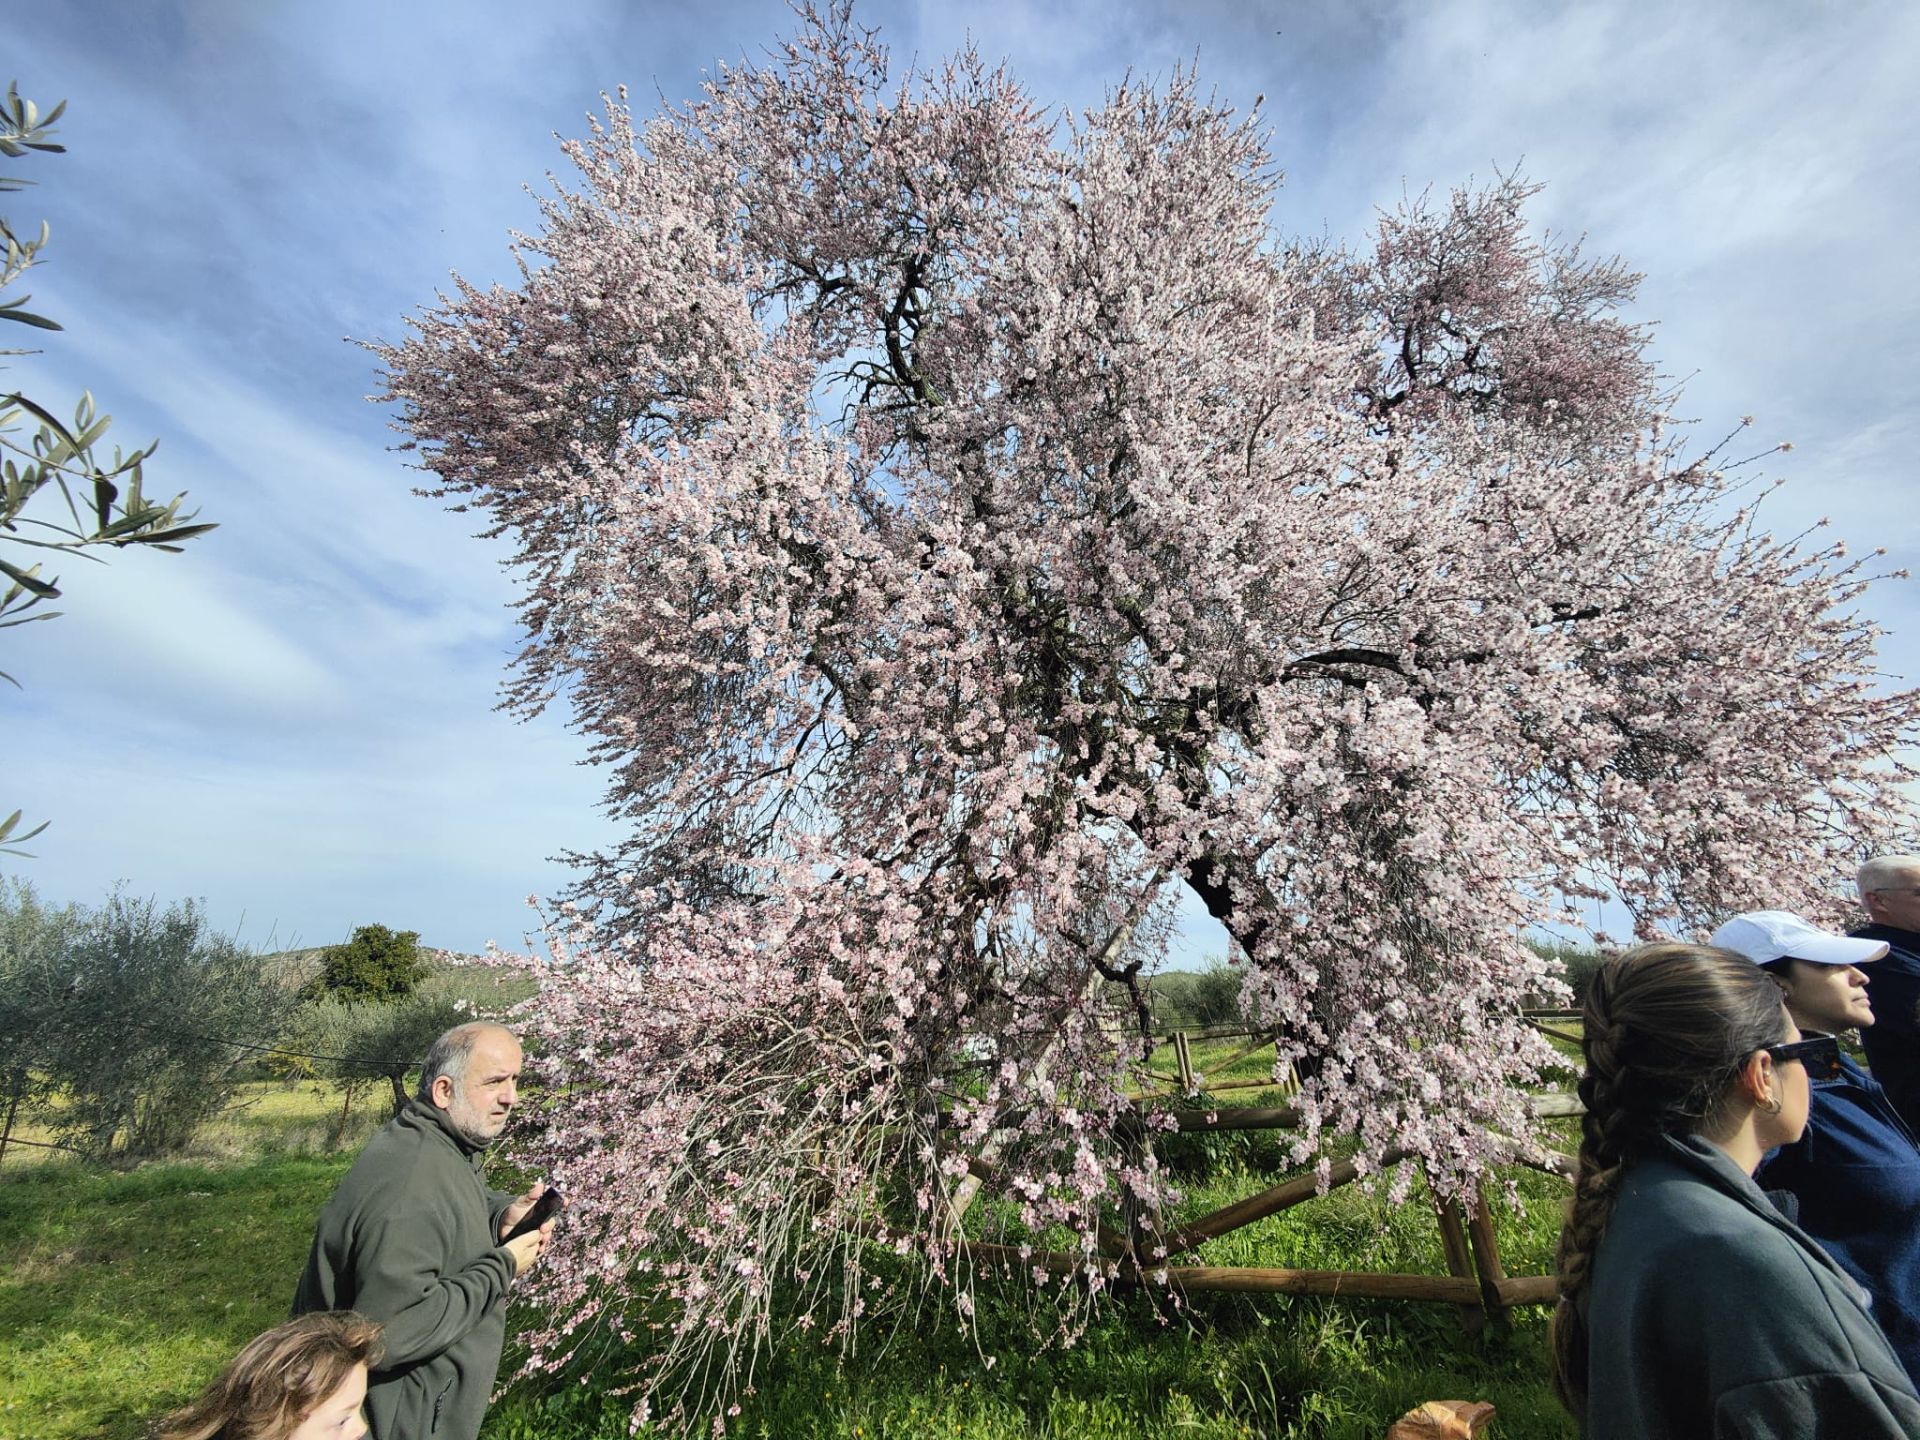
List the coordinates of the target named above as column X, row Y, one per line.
column 304, row 1380
column 1690, row 1306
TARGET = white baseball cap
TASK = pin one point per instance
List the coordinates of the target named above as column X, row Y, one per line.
column 1766, row 935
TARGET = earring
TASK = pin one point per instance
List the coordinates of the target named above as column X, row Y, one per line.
column 1771, row 1105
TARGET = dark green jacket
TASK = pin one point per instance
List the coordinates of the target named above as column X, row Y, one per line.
column 1713, row 1315
column 411, row 1239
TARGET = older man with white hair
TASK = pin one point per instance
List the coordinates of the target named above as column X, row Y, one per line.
column 1890, row 890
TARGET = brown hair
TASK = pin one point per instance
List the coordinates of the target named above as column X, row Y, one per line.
column 1667, row 1029
column 278, row 1379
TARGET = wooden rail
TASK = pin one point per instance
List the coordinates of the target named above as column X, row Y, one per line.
column 1476, row 1283
column 1270, row 1201
column 1355, row 1284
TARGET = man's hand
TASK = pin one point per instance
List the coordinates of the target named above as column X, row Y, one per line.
column 510, row 1217
column 525, row 1249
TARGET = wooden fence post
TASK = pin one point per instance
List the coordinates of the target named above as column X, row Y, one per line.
column 1453, row 1239
column 1183, row 1054
column 1486, row 1259
column 1139, row 1228
column 1476, row 1284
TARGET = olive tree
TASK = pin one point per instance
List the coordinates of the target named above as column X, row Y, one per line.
column 35, row 982
column 60, row 493
column 154, row 1016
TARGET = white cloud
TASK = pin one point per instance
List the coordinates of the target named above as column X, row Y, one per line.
column 162, row 625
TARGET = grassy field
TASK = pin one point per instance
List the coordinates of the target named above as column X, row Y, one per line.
column 120, row 1293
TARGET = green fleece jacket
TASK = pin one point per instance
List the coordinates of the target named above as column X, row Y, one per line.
column 1714, row 1317
column 411, row 1239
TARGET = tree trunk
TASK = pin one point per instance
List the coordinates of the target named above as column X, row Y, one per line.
column 17, row 1084
column 399, row 1092
column 346, row 1109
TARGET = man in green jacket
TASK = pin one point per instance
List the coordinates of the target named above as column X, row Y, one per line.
column 414, row 1238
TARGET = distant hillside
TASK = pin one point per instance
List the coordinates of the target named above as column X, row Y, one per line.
column 294, row 968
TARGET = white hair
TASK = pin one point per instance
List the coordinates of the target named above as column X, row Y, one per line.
column 449, row 1054
column 1883, row 872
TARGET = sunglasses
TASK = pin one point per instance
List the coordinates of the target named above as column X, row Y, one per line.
column 1819, row 1053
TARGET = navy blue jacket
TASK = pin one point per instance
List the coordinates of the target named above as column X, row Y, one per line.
column 1856, row 1175
column 1892, row 1042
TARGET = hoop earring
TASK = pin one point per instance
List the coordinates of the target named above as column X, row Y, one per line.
column 1771, row 1105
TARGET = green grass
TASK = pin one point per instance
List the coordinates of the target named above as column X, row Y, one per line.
column 1293, row 1368
column 1210, row 1061
column 122, row 1293
column 263, row 1116
column 1221, row 1368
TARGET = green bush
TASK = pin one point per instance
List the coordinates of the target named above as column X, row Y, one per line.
column 1216, row 996
column 34, row 939
column 143, row 1020
column 1580, row 962
column 375, row 964
column 356, row 1043
column 1191, row 999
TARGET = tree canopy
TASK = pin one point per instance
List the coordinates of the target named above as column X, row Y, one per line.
column 960, row 527
column 374, row 963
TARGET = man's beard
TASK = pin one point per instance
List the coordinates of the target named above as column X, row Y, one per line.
column 471, row 1124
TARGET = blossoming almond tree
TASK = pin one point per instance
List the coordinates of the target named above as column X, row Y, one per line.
column 960, row 529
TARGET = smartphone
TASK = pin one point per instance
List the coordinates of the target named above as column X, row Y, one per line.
column 544, row 1209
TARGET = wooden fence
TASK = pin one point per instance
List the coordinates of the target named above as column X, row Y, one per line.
column 1476, row 1282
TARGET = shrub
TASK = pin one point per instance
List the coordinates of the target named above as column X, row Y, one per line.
column 33, row 942
column 1579, row 961
column 354, row 1043
column 1216, row 996
column 143, row 1005
column 375, row 964
column 1184, row 999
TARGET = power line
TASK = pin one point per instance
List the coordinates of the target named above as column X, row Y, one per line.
column 380, row 1066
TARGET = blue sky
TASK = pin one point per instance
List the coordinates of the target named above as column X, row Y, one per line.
column 294, row 719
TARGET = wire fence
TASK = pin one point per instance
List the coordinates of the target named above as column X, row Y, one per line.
column 12, row 1140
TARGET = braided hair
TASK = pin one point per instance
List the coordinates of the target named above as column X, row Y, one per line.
column 1667, row 1030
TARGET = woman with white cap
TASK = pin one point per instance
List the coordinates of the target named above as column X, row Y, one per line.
column 1855, row 1173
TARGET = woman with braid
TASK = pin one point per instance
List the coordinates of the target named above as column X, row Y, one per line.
column 1689, row 1305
